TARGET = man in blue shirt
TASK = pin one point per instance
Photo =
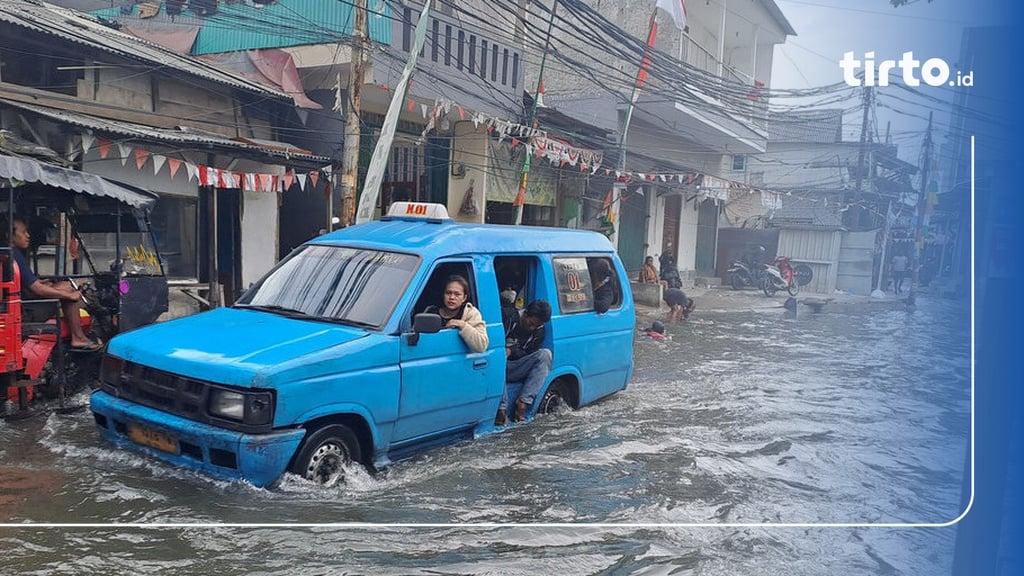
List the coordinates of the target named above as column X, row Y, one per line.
column 33, row 287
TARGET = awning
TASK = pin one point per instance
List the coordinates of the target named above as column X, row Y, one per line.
column 29, row 170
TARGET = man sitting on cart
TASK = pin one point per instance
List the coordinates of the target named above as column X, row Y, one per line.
column 33, row 287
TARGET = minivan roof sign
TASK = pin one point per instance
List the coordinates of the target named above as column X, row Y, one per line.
column 418, row 211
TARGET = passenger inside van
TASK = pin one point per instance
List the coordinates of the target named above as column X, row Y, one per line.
column 458, row 312
column 601, row 280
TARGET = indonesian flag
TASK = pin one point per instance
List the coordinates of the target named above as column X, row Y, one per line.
column 676, row 9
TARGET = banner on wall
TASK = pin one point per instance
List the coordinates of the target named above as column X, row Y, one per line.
column 506, row 163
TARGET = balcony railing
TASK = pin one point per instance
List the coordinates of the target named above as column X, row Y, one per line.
column 464, row 56
column 696, row 55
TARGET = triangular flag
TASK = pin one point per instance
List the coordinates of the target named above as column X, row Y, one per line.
column 412, row 105
column 204, row 175
column 314, row 176
column 676, row 9
column 264, row 185
column 250, row 182
column 462, row 113
column 193, row 170
column 87, row 142
column 125, row 151
column 289, row 178
column 173, row 164
column 158, row 162
column 302, row 181
column 140, row 157
column 104, row 146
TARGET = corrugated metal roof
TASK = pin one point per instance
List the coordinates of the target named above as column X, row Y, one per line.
column 179, row 136
column 32, row 170
column 281, row 24
column 87, row 30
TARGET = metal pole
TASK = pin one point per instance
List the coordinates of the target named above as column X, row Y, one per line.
column 922, row 205
column 855, row 212
column 885, row 243
column 350, row 153
column 517, row 205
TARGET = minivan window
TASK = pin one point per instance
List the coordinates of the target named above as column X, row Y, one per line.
column 334, row 283
column 573, row 280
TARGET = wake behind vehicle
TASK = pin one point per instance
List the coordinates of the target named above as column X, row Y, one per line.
column 330, row 358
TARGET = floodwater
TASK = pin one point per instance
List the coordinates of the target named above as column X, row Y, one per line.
column 734, row 443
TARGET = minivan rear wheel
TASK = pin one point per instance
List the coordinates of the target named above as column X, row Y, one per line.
column 556, row 398
column 326, row 454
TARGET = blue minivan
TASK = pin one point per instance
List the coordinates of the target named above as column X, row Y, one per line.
column 329, row 359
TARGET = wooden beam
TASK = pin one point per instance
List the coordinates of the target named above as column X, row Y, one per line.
column 27, row 95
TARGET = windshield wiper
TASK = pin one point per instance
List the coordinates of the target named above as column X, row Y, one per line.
column 276, row 309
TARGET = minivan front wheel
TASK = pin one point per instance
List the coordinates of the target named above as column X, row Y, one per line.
column 556, row 398
column 326, row 453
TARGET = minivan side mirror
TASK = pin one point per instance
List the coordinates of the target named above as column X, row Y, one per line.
column 424, row 323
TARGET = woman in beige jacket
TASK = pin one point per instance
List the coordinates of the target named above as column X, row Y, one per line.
column 460, row 314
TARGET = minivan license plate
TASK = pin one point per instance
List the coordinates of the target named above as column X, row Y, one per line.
column 153, row 438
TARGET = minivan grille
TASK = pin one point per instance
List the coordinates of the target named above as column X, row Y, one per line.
column 161, row 390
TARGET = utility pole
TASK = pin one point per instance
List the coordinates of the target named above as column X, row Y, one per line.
column 520, row 200
column 350, row 153
column 922, row 205
column 855, row 212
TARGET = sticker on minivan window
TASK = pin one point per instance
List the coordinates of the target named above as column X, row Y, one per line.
column 573, row 280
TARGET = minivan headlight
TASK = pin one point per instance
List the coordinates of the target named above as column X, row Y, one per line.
column 247, row 407
column 110, row 370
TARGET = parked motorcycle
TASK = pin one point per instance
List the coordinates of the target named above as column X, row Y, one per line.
column 669, row 273
column 780, row 276
column 743, row 276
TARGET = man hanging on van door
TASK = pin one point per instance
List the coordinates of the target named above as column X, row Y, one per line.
column 527, row 361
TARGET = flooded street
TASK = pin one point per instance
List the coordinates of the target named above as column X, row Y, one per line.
column 742, row 421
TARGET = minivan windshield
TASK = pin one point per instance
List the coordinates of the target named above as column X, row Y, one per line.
column 334, row 283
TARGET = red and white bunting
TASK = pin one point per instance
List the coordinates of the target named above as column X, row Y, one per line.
column 87, row 141
column 125, row 151
column 140, row 157
column 172, row 165
column 158, row 162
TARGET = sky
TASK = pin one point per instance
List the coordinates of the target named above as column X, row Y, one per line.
column 826, row 29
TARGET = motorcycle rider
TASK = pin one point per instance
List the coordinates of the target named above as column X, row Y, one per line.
column 33, row 287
